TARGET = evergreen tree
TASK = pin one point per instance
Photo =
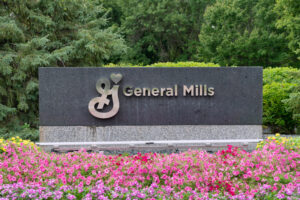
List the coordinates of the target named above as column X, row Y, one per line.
column 38, row 33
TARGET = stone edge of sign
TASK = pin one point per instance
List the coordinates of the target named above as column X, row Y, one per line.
column 148, row 133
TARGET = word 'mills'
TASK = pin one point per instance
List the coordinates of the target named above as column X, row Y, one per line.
column 192, row 90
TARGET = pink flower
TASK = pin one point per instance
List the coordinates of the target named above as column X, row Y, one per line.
column 71, row 197
column 276, row 178
column 286, row 176
column 235, row 173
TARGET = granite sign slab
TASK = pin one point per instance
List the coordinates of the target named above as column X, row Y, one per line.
column 150, row 96
column 149, row 104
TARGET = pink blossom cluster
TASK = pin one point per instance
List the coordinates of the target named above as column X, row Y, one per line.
column 268, row 173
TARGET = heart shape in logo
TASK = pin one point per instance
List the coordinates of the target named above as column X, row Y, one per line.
column 115, row 77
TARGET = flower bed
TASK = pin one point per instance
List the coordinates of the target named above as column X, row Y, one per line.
column 270, row 172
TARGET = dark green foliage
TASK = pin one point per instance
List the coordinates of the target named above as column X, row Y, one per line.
column 162, row 30
column 114, row 11
column 289, row 19
column 281, row 95
column 38, row 33
column 243, row 33
column 24, row 132
column 227, row 32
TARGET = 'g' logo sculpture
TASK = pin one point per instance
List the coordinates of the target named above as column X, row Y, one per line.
column 103, row 87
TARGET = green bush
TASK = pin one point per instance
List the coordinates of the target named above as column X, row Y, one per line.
column 281, row 75
column 281, row 99
column 275, row 114
column 25, row 132
column 293, row 104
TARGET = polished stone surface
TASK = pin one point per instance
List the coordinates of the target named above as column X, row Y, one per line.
column 66, row 92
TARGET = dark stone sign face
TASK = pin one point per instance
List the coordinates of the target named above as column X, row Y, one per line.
column 150, row 96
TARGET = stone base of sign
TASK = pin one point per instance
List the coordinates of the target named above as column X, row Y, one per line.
column 149, row 133
column 145, row 133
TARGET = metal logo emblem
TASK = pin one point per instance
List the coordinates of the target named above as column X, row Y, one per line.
column 103, row 87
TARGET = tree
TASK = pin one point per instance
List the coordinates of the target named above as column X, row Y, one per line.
column 161, row 30
column 38, row 33
column 243, row 32
column 289, row 19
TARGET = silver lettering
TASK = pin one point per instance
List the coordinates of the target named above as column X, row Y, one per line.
column 187, row 90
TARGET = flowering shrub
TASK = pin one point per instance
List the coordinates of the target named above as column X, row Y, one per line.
column 270, row 172
column 17, row 141
column 292, row 143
